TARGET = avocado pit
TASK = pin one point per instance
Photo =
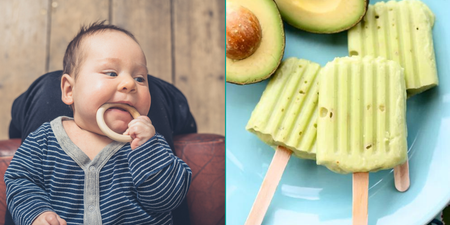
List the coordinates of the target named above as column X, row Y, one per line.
column 244, row 32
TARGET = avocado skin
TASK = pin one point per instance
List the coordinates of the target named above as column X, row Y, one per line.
column 258, row 76
column 259, row 79
column 327, row 32
column 270, row 73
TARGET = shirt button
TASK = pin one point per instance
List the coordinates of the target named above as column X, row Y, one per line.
column 92, row 168
column 91, row 208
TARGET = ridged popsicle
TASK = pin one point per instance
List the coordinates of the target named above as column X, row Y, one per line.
column 286, row 114
column 362, row 115
column 399, row 31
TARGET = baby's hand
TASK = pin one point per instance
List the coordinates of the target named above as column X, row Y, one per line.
column 49, row 218
column 141, row 130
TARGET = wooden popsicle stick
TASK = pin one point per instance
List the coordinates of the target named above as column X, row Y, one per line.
column 269, row 186
column 360, row 198
column 401, row 176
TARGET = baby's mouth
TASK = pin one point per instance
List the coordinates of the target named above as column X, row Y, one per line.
column 118, row 109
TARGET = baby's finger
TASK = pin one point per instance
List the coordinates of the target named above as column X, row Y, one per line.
column 61, row 221
column 52, row 219
column 138, row 128
column 143, row 119
column 136, row 143
column 137, row 131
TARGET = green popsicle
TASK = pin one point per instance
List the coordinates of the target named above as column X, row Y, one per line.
column 286, row 114
column 362, row 115
column 399, row 31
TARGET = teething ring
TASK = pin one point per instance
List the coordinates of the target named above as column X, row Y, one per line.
column 106, row 130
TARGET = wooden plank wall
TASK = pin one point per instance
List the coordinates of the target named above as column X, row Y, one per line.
column 183, row 41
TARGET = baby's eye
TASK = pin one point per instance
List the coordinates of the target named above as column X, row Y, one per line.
column 139, row 79
column 112, row 74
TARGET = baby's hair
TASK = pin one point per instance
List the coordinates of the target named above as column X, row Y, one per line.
column 73, row 57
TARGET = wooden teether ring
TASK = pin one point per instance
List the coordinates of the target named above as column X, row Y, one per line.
column 106, row 130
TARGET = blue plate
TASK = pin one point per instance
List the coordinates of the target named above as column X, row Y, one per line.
column 312, row 195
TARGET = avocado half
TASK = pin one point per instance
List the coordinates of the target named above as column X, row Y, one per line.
column 324, row 16
column 255, row 40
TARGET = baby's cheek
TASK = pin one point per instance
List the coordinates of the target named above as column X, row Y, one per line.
column 144, row 104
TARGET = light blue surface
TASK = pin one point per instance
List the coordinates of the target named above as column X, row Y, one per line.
column 310, row 194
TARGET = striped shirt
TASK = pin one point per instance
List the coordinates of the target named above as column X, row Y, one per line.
column 119, row 186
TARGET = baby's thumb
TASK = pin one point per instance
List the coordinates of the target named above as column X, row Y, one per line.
column 135, row 143
column 61, row 221
column 52, row 219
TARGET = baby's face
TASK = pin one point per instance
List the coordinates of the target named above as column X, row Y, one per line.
column 113, row 71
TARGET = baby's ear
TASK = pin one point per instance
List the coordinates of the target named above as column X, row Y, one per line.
column 67, row 89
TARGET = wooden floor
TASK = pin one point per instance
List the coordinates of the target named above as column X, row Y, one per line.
column 183, row 41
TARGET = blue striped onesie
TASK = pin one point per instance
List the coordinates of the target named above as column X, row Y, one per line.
column 119, row 186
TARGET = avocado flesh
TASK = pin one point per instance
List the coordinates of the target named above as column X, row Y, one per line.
column 265, row 60
column 324, row 16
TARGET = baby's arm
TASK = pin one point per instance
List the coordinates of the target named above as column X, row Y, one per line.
column 25, row 192
column 161, row 179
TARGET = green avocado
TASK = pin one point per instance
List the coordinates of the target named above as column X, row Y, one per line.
column 255, row 40
column 324, row 16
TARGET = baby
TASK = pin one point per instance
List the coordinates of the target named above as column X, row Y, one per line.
column 68, row 171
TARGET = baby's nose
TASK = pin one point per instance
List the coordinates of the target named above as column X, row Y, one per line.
column 127, row 84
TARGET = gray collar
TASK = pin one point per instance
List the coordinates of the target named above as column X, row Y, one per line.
column 76, row 153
